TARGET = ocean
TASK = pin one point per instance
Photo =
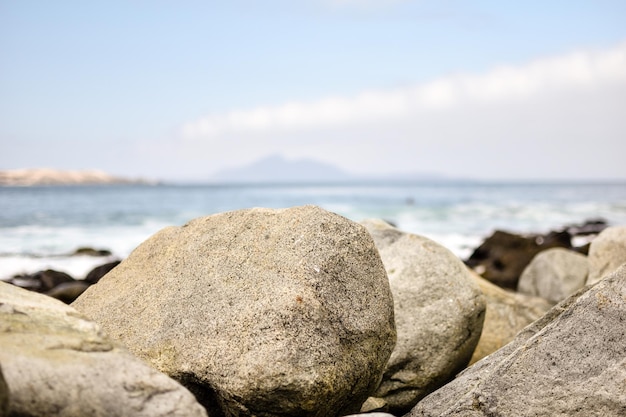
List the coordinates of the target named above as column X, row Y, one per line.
column 41, row 226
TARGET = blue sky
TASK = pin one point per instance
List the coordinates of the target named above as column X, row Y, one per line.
column 180, row 90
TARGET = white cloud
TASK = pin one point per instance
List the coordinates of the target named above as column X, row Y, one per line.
column 582, row 69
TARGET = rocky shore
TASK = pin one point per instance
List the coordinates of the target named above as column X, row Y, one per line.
column 302, row 312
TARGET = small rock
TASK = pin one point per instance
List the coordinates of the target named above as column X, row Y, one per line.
column 606, row 253
column 554, row 274
column 439, row 314
column 41, row 281
column 92, row 252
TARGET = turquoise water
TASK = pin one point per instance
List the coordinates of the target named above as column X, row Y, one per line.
column 40, row 225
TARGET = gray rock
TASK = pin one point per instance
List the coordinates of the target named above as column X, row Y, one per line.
column 269, row 312
column 439, row 313
column 554, row 274
column 606, row 253
column 57, row 363
column 371, row 415
column 4, row 396
column 571, row 362
column 507, row 314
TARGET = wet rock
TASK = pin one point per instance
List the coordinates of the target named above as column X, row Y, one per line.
column 268, row 312
column 98, row 272
column 92, row 252
column 502, row 257
column 68, row 291
column 439, row 314
column 554, row 274
column 57, row 363
column 606, row 253
column 570, row 362
column 41, row 281
column 507, row 314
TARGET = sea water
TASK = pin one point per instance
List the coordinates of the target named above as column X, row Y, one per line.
column 41, row 226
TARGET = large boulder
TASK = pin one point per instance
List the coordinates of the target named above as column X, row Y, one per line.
column 554, row 274
column 502, row 257
column 439, row 315
column 607, row 252
column 268, row 312
column 57, row 363
column 507, row 314
column 571, row 362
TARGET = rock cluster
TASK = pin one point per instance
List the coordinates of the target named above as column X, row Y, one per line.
column 502, row 257
column 60, row 285
column 302, row 312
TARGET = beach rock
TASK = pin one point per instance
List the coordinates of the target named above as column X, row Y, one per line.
column 98, row 272
column 502, row 257
column 268, row 312
column 554, row 274
column 439, row 314
column 571, row 362
column 41, row 281
column 68, row 291
column 507, row 314
column 4, row 395
column 57, row 363
column 92, row 252
column 606, row 253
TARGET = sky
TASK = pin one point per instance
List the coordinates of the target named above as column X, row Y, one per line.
column 180, row 90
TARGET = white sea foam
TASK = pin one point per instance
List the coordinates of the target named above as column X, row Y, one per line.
column 39, row 228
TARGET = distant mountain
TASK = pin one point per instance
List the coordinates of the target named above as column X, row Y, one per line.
column 277, row 169
column 45, row 176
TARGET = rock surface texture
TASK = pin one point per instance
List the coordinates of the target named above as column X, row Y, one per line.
column 507, row 314
column 606, row 253
column 571, row 362
column 439, row 315
column 57, row 363
column 554, row 274
column 262, row 312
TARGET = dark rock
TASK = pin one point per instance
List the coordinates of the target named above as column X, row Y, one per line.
column 41, row 281
column 68, row 291
column 92, row 252
column 502, row 257
column 589, row 227
column 98, row 272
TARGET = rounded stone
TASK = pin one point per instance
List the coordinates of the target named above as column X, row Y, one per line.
column 268, row 312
